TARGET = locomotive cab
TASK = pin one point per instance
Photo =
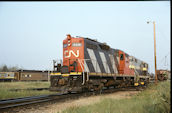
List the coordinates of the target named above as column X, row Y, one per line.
column 73, row 50
column 73, row 53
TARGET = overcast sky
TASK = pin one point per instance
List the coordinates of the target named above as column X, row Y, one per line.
column 31, row 33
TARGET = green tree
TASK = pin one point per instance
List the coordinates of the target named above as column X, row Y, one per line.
column 5, row 68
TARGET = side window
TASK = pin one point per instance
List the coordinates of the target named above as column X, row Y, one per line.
column 145, row 65
column 27, row 76
column 136, row 60
column 121, row 57
column 2, row 75
column 131, row 60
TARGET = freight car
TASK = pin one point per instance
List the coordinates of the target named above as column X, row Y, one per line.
column 91, row 65
column 162, row 75
column 32, row 75
column 24, row 75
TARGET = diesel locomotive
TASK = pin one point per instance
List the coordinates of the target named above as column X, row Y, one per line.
column 91, row 65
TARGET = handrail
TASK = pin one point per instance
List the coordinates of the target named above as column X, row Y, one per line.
column 83, row 69
column 83, row 78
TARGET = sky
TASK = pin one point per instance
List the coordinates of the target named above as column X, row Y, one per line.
column 31, row 33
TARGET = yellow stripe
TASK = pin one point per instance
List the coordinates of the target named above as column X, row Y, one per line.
column 79, row 73
column 55, row 73
column 6, row 77
column 99, row 74
column 142, row 83
column 136, row 84
column 144, row 69
column 113, row 74
column 131, row 66
column 9, row 77
column 65, row 75
column 92, row 73
column 104, row 74
column 75, row 73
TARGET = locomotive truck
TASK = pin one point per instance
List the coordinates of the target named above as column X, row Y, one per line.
column 91, row 65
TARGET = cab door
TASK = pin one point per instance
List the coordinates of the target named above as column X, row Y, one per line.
column 121, row 62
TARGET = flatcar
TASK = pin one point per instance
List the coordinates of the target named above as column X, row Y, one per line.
column 91, row 65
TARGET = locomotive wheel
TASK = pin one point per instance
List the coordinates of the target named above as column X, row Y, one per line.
column 98, row 87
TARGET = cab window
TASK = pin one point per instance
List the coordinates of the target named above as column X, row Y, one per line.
column 121, row 57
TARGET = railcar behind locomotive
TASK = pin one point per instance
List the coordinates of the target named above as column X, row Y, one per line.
column 162, row 75
column 91, row 65
column 7, row 76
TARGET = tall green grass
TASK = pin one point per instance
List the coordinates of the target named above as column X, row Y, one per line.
column 7, row 89
column 155, row 99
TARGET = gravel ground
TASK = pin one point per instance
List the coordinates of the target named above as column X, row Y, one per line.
column 60, row 106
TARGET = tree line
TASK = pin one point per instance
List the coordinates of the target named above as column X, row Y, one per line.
column 5, row 68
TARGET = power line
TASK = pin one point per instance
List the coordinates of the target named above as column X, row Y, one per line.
column 165, row 64
column 162, row 33
column 165, row 56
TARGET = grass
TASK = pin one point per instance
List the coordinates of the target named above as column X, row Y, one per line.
column 6, row 89
column 155, row 99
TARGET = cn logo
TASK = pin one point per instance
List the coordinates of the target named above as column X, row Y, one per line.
column 71, row 52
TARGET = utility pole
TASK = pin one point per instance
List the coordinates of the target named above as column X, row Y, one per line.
column 154, row 51
column 48, row 76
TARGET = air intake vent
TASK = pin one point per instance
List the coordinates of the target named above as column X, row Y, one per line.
column 104, row 47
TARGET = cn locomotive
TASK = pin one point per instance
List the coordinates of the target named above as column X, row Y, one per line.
column 91, row 65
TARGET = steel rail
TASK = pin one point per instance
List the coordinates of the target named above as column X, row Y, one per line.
column 8, row 103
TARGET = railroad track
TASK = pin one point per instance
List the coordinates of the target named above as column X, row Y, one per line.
column 11, row 103
column 8, row 103
column 38, row 89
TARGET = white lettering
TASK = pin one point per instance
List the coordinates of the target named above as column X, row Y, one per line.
column 70, row 53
